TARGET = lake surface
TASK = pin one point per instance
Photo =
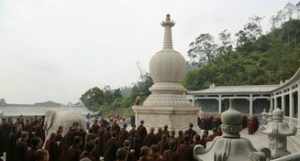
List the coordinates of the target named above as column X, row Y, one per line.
column 31, row 111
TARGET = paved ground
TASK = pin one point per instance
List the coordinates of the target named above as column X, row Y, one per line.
column 260, row 140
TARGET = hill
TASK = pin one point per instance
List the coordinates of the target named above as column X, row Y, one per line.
column 48, row 104
column 255, row 58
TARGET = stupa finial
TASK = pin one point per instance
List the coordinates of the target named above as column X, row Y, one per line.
column 168, row 24
column 168, row 17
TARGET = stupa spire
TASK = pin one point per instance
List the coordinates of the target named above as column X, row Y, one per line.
column 168, row 24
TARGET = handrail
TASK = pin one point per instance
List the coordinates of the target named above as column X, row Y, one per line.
column 290, row 157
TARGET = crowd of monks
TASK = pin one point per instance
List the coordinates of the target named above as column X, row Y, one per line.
column 103, row 140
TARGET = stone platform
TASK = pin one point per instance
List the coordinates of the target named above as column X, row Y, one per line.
column 177, row 118
column 260, row 140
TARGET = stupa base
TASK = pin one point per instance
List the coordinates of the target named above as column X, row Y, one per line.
column 177, row 118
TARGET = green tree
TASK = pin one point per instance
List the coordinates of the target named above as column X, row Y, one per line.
column 93, row 98
column 202, row 50
column 108, row 95
column 257, row 59
column 141, row 88
column 226, row 47
column 117, row 93
column 249, row 34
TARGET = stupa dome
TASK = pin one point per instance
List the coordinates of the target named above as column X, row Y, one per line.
column 167, row 65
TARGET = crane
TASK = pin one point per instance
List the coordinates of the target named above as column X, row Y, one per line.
column 142, row 72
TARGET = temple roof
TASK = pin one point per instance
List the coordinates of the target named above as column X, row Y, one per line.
column 286, row 83
column 249, row 89
column 244, row 89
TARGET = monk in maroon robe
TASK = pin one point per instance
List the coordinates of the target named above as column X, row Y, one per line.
column 74, row 151
column 185, row 150
column 150, row 138
column 142, row 131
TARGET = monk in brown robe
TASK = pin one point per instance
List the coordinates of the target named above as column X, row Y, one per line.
column 36, row 144
column 146, row 154
column 41, row 155
column 74, row 151
column 156, row 155
column 124, row 134
column 170, row 154
column 172, row 137
column 204, row 138
column 87, row 153
column 150, row 138
column 197, row 140
column 185, row 150
column 131, row 154
column 21, row 147
column 180, row 138
column 166, row 131
column 111, row 149
column 115, row 127
column 163, row 144
column 95, row 127
column 158, row 135
column 56, row 147
column 252, row 125
column 122, row 154
column 190, row 132
column 49, row 144
column 142, row 131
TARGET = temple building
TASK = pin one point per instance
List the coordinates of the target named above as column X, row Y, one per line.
column 252, row 99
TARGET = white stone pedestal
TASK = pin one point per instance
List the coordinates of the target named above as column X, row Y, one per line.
column 177, row 118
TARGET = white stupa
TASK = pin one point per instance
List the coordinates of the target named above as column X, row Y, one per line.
column 167, row 104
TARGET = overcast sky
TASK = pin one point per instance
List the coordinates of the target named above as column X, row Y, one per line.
column 57, row 49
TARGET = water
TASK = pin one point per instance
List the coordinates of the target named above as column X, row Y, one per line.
column 12, row 111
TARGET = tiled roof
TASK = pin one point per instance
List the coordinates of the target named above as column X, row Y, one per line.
column 236, row 89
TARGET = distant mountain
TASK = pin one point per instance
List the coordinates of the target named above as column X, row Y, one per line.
column 48, row 104
column 77, row 104
column 38, row 104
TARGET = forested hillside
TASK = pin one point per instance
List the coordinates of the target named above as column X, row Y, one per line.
column 253, row 58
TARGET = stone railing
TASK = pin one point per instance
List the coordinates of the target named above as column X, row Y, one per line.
column 291, row 121
column 294, row 122
column 290, row 157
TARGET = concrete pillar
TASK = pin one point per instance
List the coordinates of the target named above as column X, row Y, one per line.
column 291, row 99
column 282, row 103
column 220, row 103
column 275, row 103
column 271, row 104
column 291, row 105
column 251, row 105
